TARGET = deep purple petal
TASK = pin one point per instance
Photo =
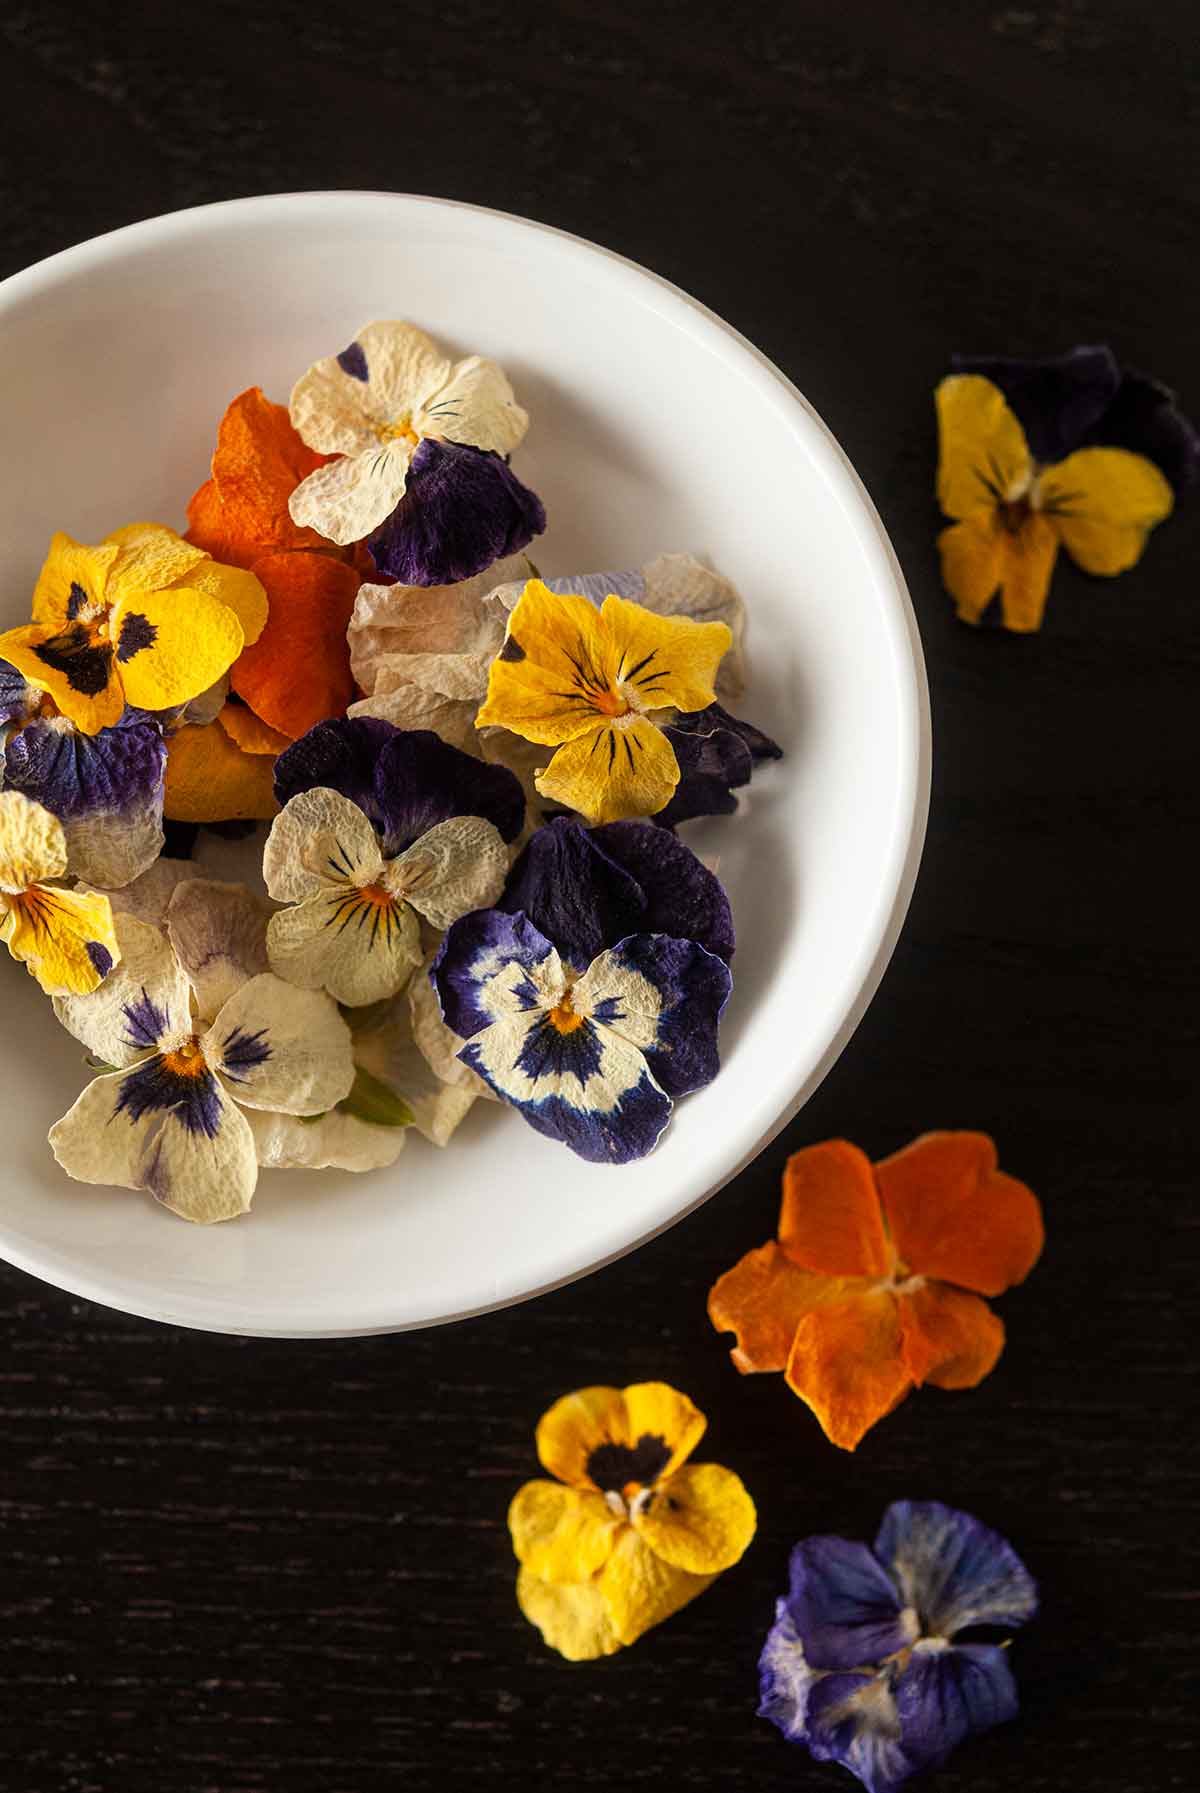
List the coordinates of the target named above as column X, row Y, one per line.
column 1145, row 419
column 472, row 952
column 616, row 1135
column 574, row 892
column 953, row 1569
column 339, row 756
column 73, row 774
column 463, row 509
column 944, row 1696
column 844, row 1605
column 716, row 753
column 852, row 1719
column 683, row 898
column 14, row 692
column 153, row 1087
column 693, row 987
column 1057, row 400
column 785, row 1678
column 421, row 780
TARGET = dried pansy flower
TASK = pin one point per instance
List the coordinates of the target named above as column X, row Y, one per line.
column 422, row 445
column 629, row 1531
column 592, row 684
column 593, row 1056
column 200, row 1031
column 874, row 1286
column 380, row 827
column 143, row 620
column 64, row 938
column 1034, row 454
column 864, row 1666
column 223, row 770
column 716, row 754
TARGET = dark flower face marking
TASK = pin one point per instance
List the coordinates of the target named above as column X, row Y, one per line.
column 353, row 361
column 137, row 632
column 77, row 600
column 84, row 661
column 179, row 1081
column 100, row 956
column 147, row 1022
column 512, row 649
column 243, row 1052
column 613, row 1467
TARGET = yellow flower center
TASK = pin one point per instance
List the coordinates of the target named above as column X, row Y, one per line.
column 563, row 1016
column 186, row 1060
column 612, row 703
column 399, row 430
column 377, row 896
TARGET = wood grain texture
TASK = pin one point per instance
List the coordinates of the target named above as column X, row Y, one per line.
column 230, row 1565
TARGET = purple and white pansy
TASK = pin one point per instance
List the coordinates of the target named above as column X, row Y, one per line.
column 864, row 1663
column 593, row 1056
column 198, row 1031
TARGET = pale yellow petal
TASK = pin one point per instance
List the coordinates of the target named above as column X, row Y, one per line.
column 617, row 771
column 64, row 938
column 32, row 843
column 475, row 405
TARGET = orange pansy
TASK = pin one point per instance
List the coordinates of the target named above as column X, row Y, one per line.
column 875, row 1283
column 259, row 461
column 298, row 671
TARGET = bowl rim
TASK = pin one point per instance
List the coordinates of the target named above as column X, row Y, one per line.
column 898, row 868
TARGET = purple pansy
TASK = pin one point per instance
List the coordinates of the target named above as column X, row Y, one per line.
column 587, row 888
column 863, row 1666
column 1085, row 399
column 405, row 781
column 15, row 694
column 716, row 753
column 463, row 508
column 593, row 1058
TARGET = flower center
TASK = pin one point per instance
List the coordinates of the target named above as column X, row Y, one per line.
column 186, row 1060
column 400, row 429
column 564, row 1017
column 612, row 703
column 377, row 896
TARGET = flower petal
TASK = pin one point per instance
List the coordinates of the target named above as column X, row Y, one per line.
column 64, row 938
column 944, row 1696
column 333, row 1141
column 319, row 842
column 664, row 997
column 386, row 1045
column 785, row 1679
column 763, row 1299
column 701, row 1520
column 681, row 585
column 437, row 1043
column 453, row 868
column 172, row 645
column 641, row 1590
column 238, row 589
column 143, row 1004
column 617, row 771
column 561, row 1534
column 242, row 512
column 983, row 457
column 846, row 1365
column 106, row 789
column 575, row 893
column 1145, row 418
column 493, row 967
column 150, row 558
column 666, row 659
column 349, row 498
column 852, row 1719
column 956, row 1217
column 393, row 624
column 845, row 1606
column 1104, row 502
column 210, row 779
column 947, row 1337
column 74, row 577
column 349, row 942
column 606, row 1438
column 17, row 697
column 683, row 898
column 147, row 897
column 830, row 1219
column 250, row 732
column 280, row 1048
column 75, row 667
column 475, row 404
column 463, row 509
column 219, row 933
column 384, row 376
column 33, row 846
column 1057, row 399
column 419, row 781
column 537, row 685
column 298, row 671
column 956, row 1571
column 572, row 1618
column 981, row 557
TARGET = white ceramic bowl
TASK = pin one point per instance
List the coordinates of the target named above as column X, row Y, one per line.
column 655, row 427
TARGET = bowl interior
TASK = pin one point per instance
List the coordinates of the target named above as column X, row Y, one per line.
column 654, row 428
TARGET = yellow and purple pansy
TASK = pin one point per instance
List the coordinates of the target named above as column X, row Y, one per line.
column 629, row 1531
column 864, row 1663
column 1068, row 451
column 422, row 446
column 596, row 1055
column 595, row 685
column 380, row 828
column 143, row 620
column 198, row 1031
column 64, row 938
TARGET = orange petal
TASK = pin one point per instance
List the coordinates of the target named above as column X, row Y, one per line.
column 983, row 555
column 830, row 1219
column 242, row 511
column 298, row 671
column 763, row 1299
column 956, row 1217
column 948, row 1337
column 847, row 1365
column 250, row 732
column 210, row 779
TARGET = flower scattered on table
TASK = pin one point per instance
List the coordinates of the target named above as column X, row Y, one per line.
column 588, row 683
column 421, row 448
column 629, row 1531
column 1034, row 454
column 864, row 1663
column 874, row 1285
column 64, row 938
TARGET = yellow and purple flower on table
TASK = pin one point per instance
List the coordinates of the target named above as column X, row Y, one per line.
column 629, row 1531
column 422, row 443
column 594, row 684
column 380, row 827
column 64, row 938
column 864, row 1666
column 593, row 1056
column 143, row 621
column 1067, row 451
column 200, row 1032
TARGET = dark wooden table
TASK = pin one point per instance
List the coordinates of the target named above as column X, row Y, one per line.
column 233, row 1565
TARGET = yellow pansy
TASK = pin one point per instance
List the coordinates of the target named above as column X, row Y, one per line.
column 1011, row 514
column 630, row 1531
column 64, row 938
column 591, row 683
column 143, row 619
